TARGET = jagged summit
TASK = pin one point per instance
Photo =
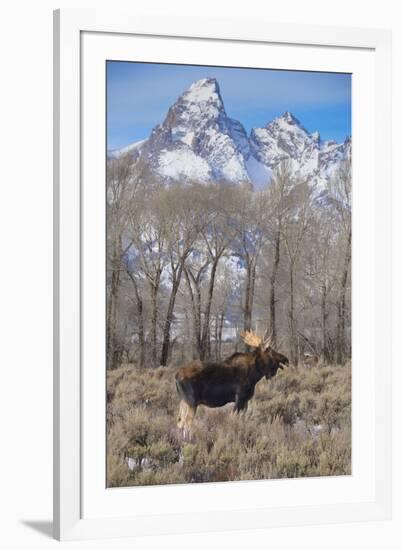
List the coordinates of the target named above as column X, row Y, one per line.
column 198, row 141
column 287, row 123
column 204, row 94
column 290, row 118
column 204, row 87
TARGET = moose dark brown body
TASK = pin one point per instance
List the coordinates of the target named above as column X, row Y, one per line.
column 232, row 381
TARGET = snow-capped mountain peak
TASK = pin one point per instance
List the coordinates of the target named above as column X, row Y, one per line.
column 289, row 118
column 198, row 141
column 203, row 91
column 283, row 137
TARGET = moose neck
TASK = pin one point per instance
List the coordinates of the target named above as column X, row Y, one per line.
column 258, row 370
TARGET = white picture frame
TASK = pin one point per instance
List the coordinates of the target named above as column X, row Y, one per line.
column 83, row 507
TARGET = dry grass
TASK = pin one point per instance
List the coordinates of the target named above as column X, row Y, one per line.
column 297, row 424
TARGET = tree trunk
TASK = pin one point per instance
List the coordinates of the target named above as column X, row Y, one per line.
column 247, row 306
column 272, row 299
column 141, row 332
column 216, row 336
column 209, row 354
column 196, row 308
column 340, row 332
column 197, row 322
column 205, row 329
column 220, row 331
column 249, row 297
column 169, row 316
column 154, row 322
column 324, row 317
column 188, row 336
column 111, row 340
column 140, row 315
column 293, row 344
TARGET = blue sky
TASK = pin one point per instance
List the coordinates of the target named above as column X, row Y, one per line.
column 140, row 94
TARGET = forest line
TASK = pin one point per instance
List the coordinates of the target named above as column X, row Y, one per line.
column 190, row 265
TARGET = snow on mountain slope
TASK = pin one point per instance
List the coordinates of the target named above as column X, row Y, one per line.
column 132, row 148
column 183, row 163
column 197, row 141
column 259, row 173
column 332, row 153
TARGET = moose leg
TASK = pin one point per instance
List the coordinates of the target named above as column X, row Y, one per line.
column 241, row 404
column 190, row 413
column 185, row 418
column 182, row 414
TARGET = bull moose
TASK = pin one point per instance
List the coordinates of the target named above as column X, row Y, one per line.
column 232, row 381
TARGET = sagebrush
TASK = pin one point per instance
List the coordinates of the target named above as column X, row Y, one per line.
column 298, row 424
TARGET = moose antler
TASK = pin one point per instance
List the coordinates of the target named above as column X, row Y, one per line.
column 251, row 338
column 267, row 340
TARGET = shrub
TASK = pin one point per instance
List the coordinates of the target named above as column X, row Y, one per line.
column 297, row 424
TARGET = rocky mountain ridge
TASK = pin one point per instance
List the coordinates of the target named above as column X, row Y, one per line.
column 198, row 141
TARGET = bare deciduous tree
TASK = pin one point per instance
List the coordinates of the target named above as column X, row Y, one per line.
column 195, row 272
column 148, row 235
column 123, row 181
column 217, row 234
column 294, row 231
column 251, row 232
column 185, row 220
column 278, row 196
column 340, row 188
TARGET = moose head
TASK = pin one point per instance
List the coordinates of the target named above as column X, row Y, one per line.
column 267, row 360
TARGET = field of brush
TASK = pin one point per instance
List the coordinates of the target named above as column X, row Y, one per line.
column 298, row 424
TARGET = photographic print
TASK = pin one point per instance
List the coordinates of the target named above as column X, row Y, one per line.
column 228, row 274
